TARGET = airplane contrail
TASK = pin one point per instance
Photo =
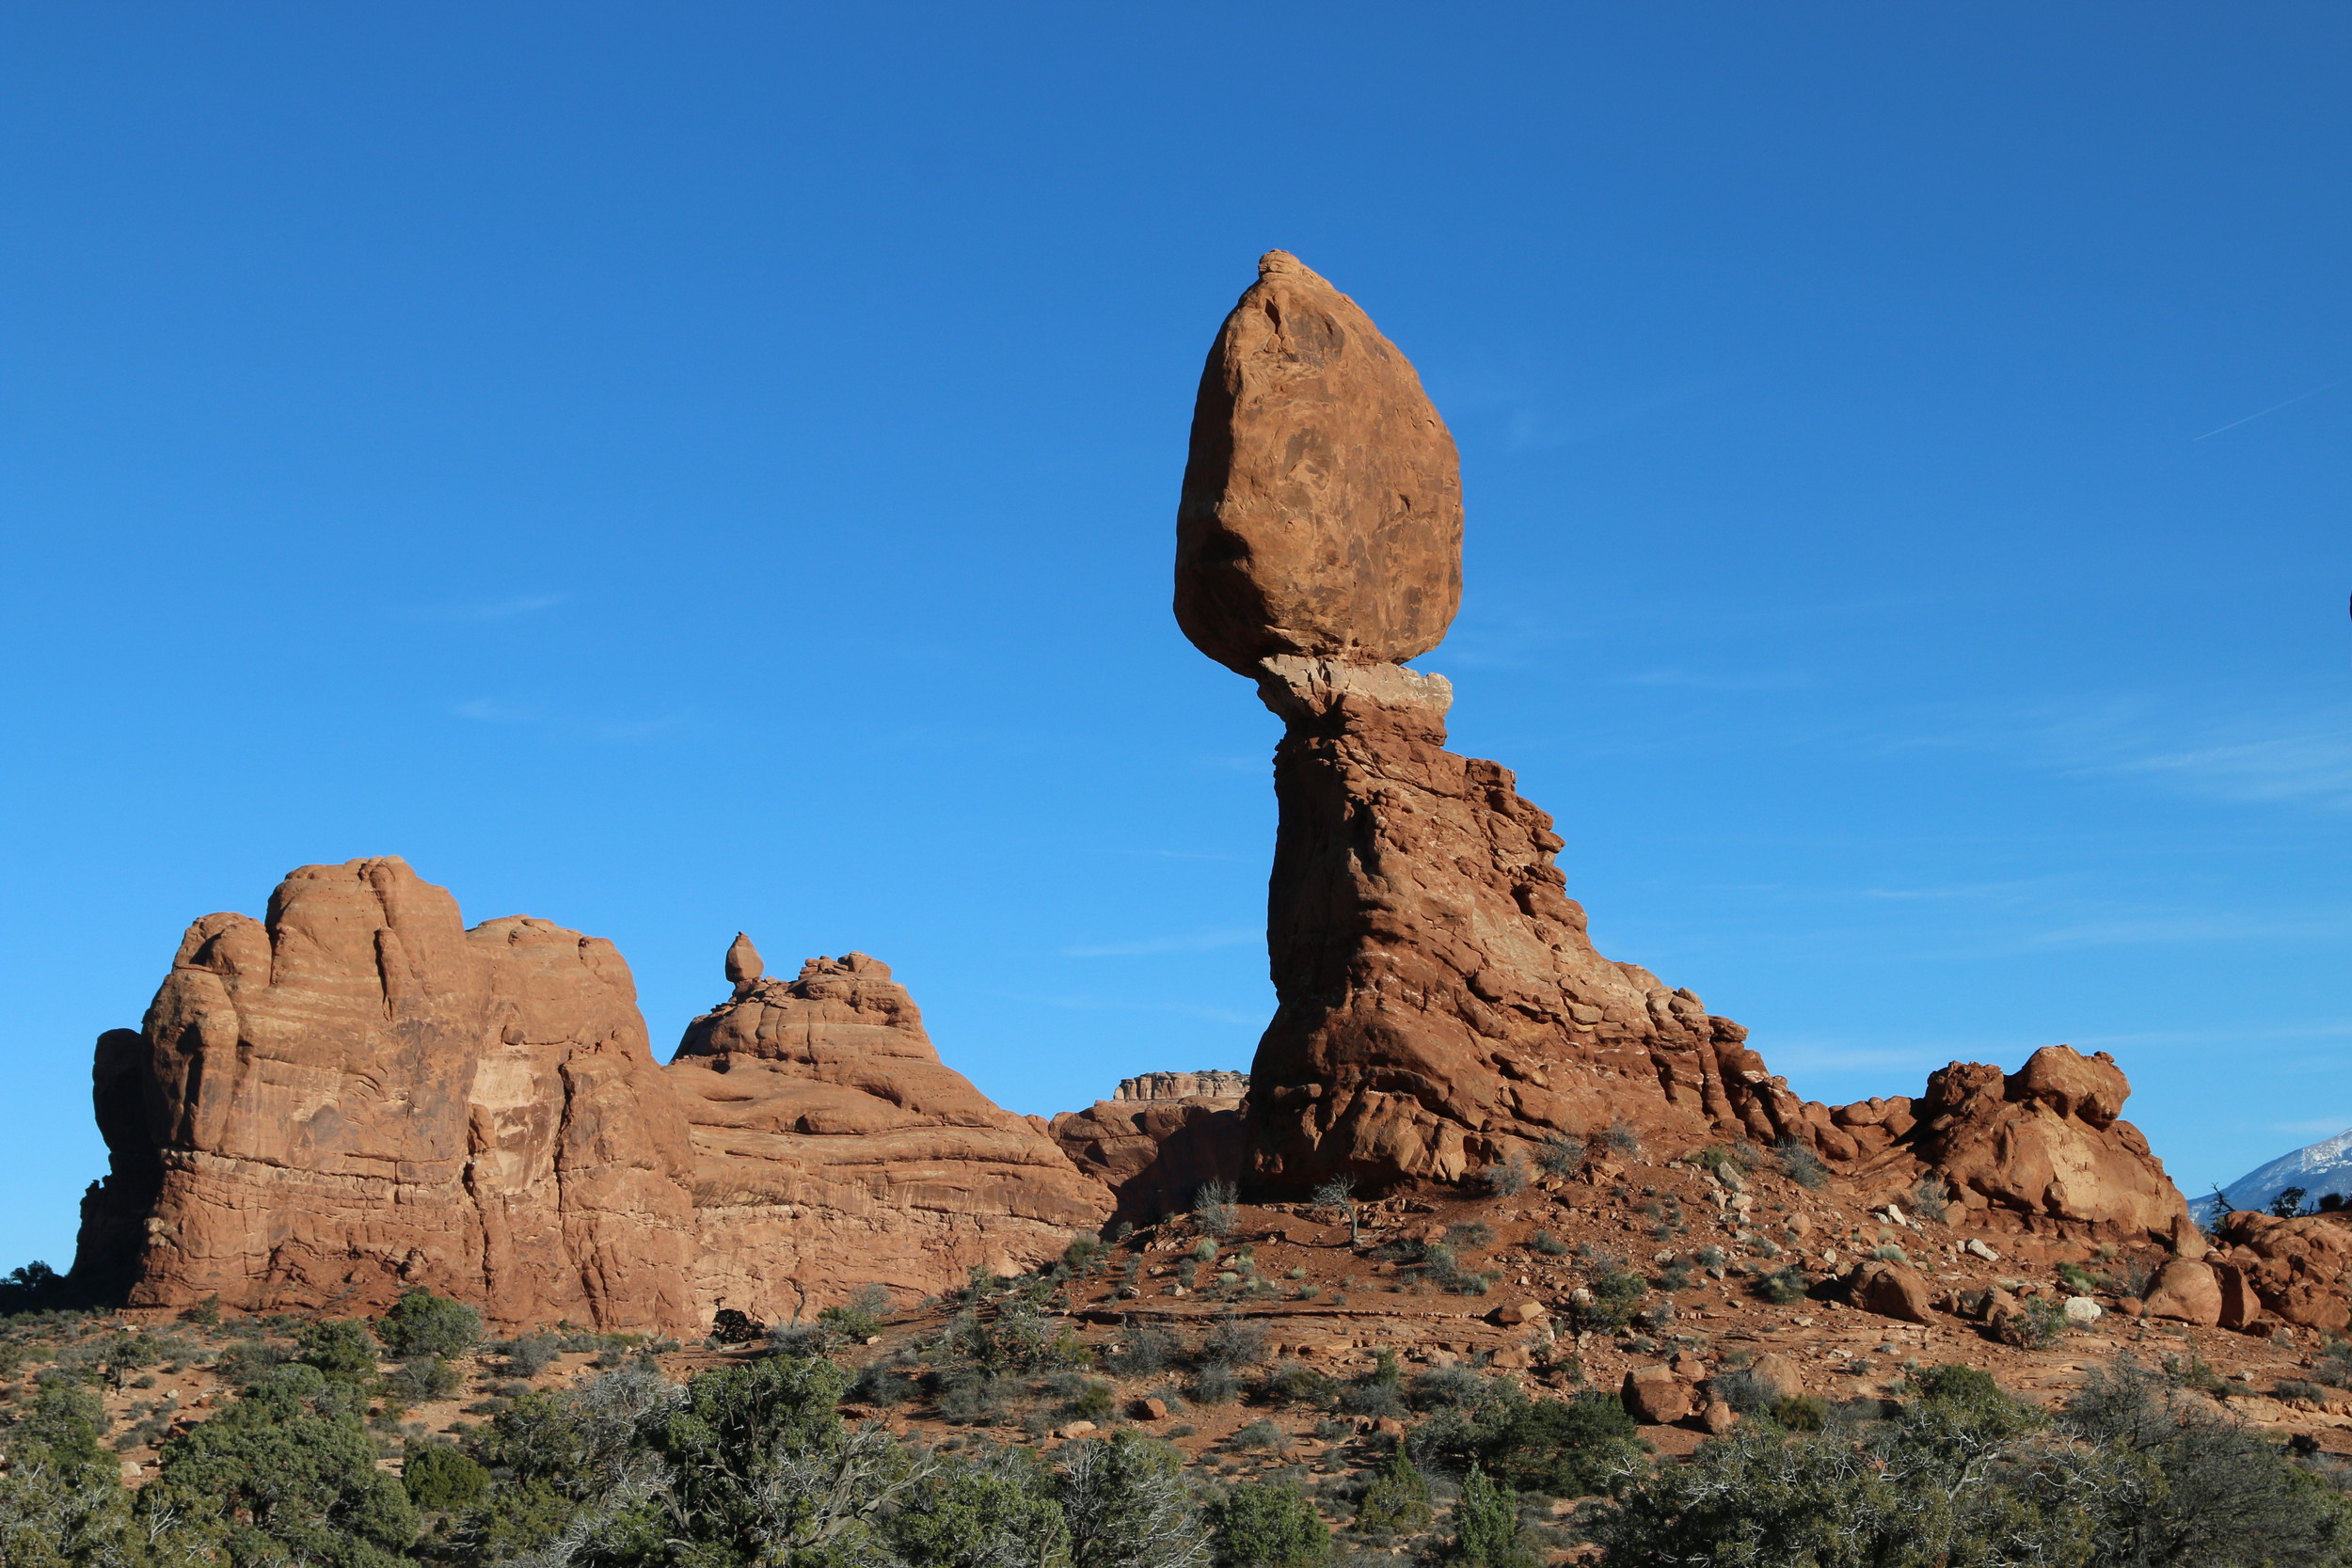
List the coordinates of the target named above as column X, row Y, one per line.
column 2272, row 410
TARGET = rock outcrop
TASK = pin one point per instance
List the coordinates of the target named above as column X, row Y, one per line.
column 2301, row 1269
column 1210, row 1085
column 1163, row 1138
column 358, row 1094
column 1439, row 1003
column 833, row 1147
column 2044, row 1143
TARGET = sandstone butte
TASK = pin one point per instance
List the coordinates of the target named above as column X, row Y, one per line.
column 357, row 1094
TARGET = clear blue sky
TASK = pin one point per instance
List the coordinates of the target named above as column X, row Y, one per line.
column 669, row 468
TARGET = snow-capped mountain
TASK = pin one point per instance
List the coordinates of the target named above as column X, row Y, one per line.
column 2323, row 1167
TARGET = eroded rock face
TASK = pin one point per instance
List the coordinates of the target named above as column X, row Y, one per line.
column 1322, row 510
column 1211, row 1084
column 1155, row 1152
column 2046, row 1142
column 2301, row 1269
column 358, row 1094
column 833, row 1148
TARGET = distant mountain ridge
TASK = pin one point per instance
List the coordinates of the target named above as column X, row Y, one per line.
column 2318, row 1168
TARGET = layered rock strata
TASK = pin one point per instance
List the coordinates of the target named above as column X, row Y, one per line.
column 356, row 1095
column 1439, row 1005
column 1211, row 1084
column 833, row 1147
column 1155, row 1151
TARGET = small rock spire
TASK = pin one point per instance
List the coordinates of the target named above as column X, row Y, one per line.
column 743, row 966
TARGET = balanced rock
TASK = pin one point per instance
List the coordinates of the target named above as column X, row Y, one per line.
column 833, row 1148
column 1322, row 509
column 358, row 1096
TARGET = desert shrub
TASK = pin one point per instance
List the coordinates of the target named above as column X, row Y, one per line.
column 1216, row 1207
column 1258, row 1436
column 888, row 1381
column 1397, row 1498
column 2334, row 1365
column 1082, row 1251
column 1296, row 1383
column 1232, row 1342
column 799, row 1339
column 2036, row 1323
column 1932, row 1199
column 970, row 1396
column 529, row 1355
column 1562, row 1154
column 728, row 1326
column 1442, row 1388
column 2207, row 1489
column 1487, row 1529
column 2077, row 1278
column 1622, row 1140
column 860, row 1318
column 1547, row 1243
column 1214, row 1384
column 1264, row 1524
column 422, row 1323
column 1506, row 1177
column 994, row 1508
column 1125, row 1505
column 1615, row 1291
column 1889, row 1253
column 1741, row 1389
column 441, row 1479
column 1802, row 1164
column 339, row 1348
column 1092, row 1399
column 1468, row 1233
column 1371, row 1396
column 421, row 1380
column 2296, row 1388
column 250, row 1361
column 1782, row 1285
column 1144, row 1350
column 1675, row 1277
column 1802, row 1413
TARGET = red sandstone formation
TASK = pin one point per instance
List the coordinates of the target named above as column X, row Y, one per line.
column 2300, row 1269
column 1159, row 1141
column 1322, row 510
column 1440, row 1005
column 833, row 1148
column 358, row 1096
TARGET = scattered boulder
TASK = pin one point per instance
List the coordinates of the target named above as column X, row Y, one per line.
column 2187, row 1292
column 1151, row 1410
column 2300, row 1269
column 1514, row 1313
column 2081, row 1311
column 1890, row 1290
column 1777, row 1375
column 1655, row 1396
column 1718, row 1418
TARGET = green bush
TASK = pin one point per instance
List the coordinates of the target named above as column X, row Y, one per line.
column 1397, row 1498
column 1802, row 1413
column 1615, row 1293
column 1263, row 1524
column 339, row 1348
column 1487, row 1532
column 421, row 1380
column 1802, row 1164
column 860, row 1318
column 423, row 1324
column 441, row 1480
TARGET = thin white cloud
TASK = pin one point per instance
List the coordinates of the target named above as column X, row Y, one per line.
column 1197, row 942
column 2322, row 1126
column 1085, row 1002
column 496, row 609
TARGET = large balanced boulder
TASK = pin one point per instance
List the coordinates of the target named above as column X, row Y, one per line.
column 2187, row 1292
column 1322, row 509
column 358, row 1094
column 833, row 1148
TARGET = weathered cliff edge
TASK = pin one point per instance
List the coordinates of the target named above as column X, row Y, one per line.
column 358, row 1094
